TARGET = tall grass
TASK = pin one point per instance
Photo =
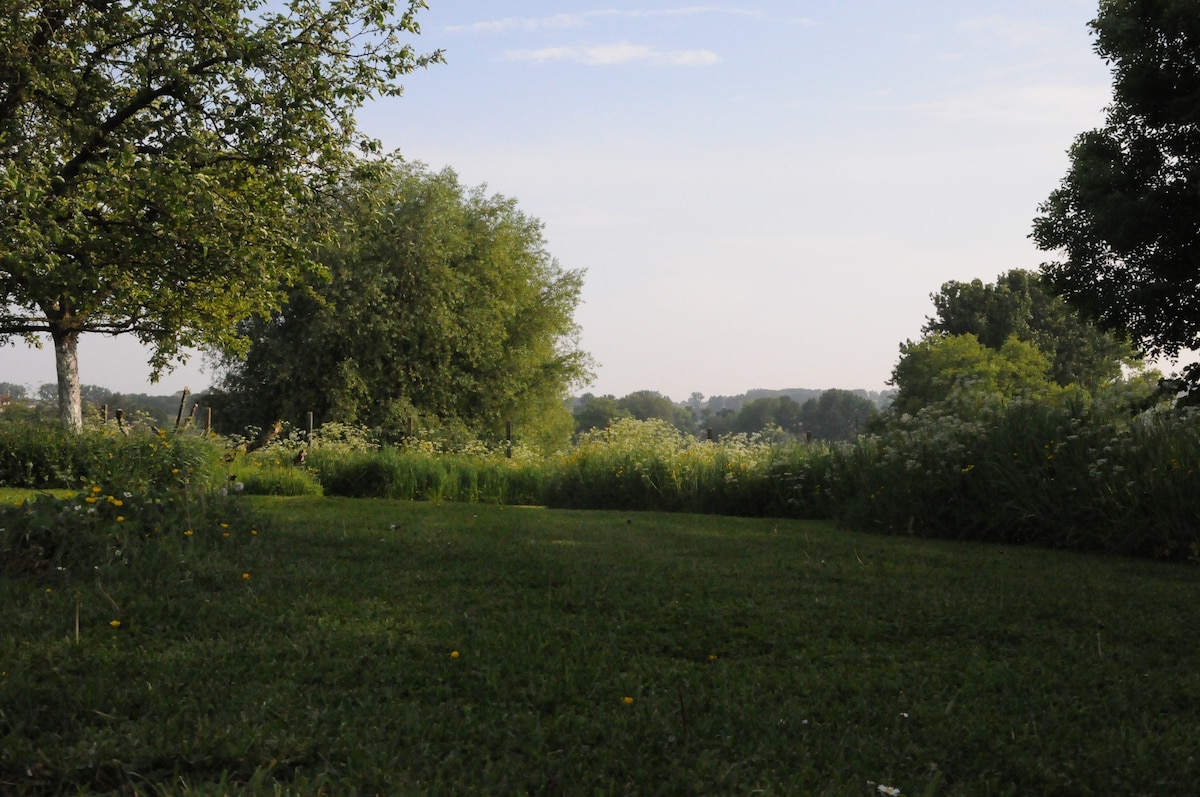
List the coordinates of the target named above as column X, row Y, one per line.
column 1066, row 474
column 650, row 465
column 44, row 456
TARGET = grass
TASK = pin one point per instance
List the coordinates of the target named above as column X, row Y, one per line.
column 421, row 648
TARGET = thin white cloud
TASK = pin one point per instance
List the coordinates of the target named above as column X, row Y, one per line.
column 1017, row 34
column 1035, row 105
column 583, row 18
column 616, row 54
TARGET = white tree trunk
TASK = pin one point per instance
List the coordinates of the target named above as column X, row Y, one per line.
column 66, row 362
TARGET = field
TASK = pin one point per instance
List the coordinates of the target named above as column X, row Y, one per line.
column 339, row 646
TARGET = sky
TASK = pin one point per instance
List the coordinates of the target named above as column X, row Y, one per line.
column 761, row 193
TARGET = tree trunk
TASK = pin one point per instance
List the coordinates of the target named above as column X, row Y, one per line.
column 66, row 362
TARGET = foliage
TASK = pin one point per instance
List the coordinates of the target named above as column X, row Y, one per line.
column 443, row 309
column 958, row 370
column 422, row 475
column 597, row 412
column 646, row 405
column 1074, row 472
column 158, row 160
column 644, row 465
column 837, row 415
column 39, row 455
column 1124, row 217
column 384, row 647
column 1019, row 305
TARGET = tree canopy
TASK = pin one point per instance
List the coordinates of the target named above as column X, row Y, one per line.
column 938, row 370
column 1019, row 305
column 158, row 159
column 1126, row 217
column 442, row 306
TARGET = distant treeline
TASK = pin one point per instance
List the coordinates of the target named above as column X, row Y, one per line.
column 161, row 409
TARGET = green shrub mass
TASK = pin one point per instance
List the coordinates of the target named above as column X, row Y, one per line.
column 1072, row 471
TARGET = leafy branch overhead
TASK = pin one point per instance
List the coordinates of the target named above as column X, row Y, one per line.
column 158, row 158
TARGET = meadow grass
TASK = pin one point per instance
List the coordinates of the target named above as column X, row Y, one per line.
column 385, row 647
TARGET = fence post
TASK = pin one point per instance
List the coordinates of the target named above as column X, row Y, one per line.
column 508, row 437
column 308, row 439
column 182, row 404
column 104, row 413
column 207, row 421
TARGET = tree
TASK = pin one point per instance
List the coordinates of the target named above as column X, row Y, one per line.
column 1019, row 305
column 1126, row 217
column 159, row 157
column 646, row 404
column 443, row 305
column 837, row 415
column 937, row 370
column 760, row 414
column 597, row 412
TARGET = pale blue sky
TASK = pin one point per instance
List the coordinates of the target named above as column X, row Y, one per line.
column 762, row 193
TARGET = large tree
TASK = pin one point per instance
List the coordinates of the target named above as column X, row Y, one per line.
column 1019, row 304
column 157, row 159
column 443, row 305
column 1126, row 218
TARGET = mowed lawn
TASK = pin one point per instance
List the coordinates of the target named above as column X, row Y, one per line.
column 379, row 647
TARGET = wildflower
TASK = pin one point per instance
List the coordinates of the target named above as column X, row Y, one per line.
column 174, row 471
column 627, row 701
column 49, row 590
column 225, row 535
column 889, row 790
column 253, row 532
column 115, row 623
column 187, row 533
column 245, row 576
column 120, row 518
column 224, row 525
column 238, row 487
column 127, row 494
column 95, row 490
column 968, row 469
column 454, row 654
column 91, row 499
column 712, row 656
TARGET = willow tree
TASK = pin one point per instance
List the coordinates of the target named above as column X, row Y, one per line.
column 442, row 304
column 158, row 158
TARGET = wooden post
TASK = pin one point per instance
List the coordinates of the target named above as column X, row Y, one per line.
column 192, row 415
column 104, row 413
column 508, row 437
column 710, row 435
column 121, row 420
column 310, row 428
column 808, row 437
column 182, row 404
column 207, row 421
column 410, row 426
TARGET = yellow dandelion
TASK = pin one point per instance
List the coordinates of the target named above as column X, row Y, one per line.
column 454, row 654
column 49, row 590
column 174, row 471
column 253, row 532
column 627, row 701
column 225, row 534
column 187, row 533
column 245, row 576
column 95, row 490
column 120, row 518
column 115, row 623
column 712, row 656
column 91, row 499
column 224, row 525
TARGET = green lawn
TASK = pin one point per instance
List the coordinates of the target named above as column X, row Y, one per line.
column 355, row 646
